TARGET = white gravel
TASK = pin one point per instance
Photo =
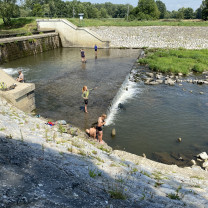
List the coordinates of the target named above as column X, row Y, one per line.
column 155, row 36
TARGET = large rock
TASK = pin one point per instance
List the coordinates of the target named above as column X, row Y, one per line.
column 205, row 164
column 203, row 156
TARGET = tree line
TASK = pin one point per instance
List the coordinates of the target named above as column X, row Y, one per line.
column 145, row 10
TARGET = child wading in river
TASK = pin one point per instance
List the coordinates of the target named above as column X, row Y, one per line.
column 85, row 94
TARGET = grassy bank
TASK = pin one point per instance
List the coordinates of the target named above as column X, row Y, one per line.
column 172, row 60
column 28, row 24
column 19, row 25
column 123, row 22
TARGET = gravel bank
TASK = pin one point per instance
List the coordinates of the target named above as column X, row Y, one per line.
column 155, row 36
column 40, row 167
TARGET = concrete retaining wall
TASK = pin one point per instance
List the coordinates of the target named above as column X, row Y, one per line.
column 71, row 35
column 18, row 47
column 23, row 96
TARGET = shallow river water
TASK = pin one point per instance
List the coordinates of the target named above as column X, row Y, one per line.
column 153, row 116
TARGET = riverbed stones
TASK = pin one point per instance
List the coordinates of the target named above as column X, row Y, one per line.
column 193, row 162
column 113, row 132
column 203, row 156
column 205, row 164
column 154, row 83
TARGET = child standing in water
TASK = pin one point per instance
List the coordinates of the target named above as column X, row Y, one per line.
column 85, row 94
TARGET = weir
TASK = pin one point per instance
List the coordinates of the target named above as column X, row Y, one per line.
column 71, row 35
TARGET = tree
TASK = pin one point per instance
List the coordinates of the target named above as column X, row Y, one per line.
column 162, row 8
column 147, row 9
column 180, row 14
column 188, row 13
column 7, row 11
column 37, row 10
column 204, row 9
column 198, row 13
column 103, row 12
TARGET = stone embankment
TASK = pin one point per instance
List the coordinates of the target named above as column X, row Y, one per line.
column 41, row 166
column 155, row 36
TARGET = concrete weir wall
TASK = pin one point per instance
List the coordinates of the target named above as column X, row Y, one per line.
column 23, row 96
column 71, row 35
column 19, row 47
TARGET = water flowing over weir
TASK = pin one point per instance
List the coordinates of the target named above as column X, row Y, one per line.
column 126, row 92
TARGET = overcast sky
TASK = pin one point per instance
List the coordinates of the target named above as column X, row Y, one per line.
column 170, row 4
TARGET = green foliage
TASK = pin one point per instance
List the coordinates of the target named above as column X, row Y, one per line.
column 146, row 10
column 204, row 9
column 8, row 9
column 61, row 129
column 145, row 173
column 173, row 60
column 94, row 173
column 173, row 196
column 115, row 194
column 162, row 9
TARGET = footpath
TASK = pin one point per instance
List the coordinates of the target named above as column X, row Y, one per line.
column 41, row 166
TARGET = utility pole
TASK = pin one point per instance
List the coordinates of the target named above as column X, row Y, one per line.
column 128, row 13
column 73, row 11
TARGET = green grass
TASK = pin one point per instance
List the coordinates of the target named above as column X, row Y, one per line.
column 19, row 25
column 174, row 196
column 28, row 24
column 176, row 60
column 117, row 194
column 123, row 22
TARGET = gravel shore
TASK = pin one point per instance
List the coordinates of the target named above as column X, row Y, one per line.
column 155, row 36
column 41, row 167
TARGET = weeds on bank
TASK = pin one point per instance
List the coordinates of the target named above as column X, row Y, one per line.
column 61, row 129
column 94, row 173
column 175, row 196
column 145, row 173
column 82, row 152
column 94, row 152
column 197, row 177
column 99, row 159
column 104, row 149
column 2, row 129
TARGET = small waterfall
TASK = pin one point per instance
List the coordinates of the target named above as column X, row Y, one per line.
column 127, row 91
column 11, row 71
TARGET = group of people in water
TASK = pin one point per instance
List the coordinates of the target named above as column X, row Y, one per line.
column 95, row 132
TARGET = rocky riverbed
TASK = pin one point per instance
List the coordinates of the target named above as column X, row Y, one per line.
column 155, row 36
column 41, row 166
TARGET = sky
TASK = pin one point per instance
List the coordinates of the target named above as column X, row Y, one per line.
column 170, row 4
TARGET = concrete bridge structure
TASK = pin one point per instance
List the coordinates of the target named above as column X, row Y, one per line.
column 71, row 35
